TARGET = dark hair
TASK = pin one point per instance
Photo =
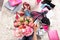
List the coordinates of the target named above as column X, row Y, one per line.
column 45, row 20
column 25, row 3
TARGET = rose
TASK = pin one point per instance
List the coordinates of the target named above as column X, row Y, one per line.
column 16, row 24
column 18, row 33
column 28, row 31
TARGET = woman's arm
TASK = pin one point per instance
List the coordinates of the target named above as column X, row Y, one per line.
column 35, row 36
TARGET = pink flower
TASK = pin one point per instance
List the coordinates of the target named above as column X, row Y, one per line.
column 28, row 31
column 31, row 24
column 18, row 33
column 17, row 16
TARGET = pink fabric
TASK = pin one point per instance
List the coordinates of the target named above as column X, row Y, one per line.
column 38, row 1
column 14, row 2
column 53, row 35
column 35, row 15
column 45, row 27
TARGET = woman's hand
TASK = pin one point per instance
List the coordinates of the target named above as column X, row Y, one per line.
column 35, row 28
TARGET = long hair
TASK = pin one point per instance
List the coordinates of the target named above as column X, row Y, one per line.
column 45, row 20
column 26, row 4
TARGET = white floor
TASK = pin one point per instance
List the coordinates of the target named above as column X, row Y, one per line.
column 6, row 22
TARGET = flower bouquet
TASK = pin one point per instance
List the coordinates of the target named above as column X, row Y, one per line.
column 24, row 25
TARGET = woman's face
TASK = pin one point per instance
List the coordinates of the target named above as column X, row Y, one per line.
column 25, row 6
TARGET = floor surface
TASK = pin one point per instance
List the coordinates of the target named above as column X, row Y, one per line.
column 6, row 22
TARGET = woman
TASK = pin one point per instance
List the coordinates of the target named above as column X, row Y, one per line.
column 27, row 9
